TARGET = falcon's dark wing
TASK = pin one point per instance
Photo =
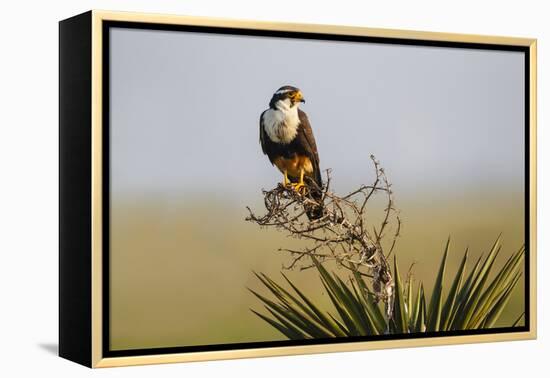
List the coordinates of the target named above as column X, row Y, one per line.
column 263, row 136
column 307, row 140
column 265, row 142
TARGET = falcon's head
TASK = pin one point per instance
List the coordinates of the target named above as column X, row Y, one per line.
column 288, row 96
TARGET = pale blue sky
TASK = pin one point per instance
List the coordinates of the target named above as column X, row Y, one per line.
column 185, row 109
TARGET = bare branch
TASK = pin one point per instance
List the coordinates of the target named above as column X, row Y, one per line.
column 340, row 234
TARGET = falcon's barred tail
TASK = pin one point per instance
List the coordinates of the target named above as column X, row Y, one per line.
column 315, row 211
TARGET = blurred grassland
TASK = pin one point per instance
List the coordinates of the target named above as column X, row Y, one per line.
column 180, row 268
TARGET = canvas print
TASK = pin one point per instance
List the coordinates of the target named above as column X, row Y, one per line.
column 272, row 190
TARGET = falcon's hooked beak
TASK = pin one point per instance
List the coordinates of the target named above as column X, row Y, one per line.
column 297, row 97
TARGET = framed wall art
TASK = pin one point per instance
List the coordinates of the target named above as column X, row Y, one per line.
column 237, row 188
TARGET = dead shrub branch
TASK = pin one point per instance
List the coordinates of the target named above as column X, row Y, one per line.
column 343, row 234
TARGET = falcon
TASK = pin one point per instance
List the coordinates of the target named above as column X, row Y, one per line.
column 287, row 139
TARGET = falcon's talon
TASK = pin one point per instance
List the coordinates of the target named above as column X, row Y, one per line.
column 300, row 188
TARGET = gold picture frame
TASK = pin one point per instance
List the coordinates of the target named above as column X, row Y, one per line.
column 82, row 64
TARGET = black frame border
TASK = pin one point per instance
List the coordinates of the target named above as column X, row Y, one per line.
column 75, row 181
column 106, row 27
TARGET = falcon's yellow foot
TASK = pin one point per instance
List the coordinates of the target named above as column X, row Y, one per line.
column 299, row 187
column 286, row 181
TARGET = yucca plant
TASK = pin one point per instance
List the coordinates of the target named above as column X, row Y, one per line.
column 474, row 300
